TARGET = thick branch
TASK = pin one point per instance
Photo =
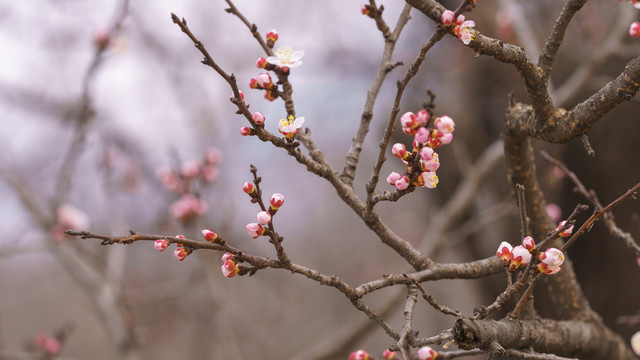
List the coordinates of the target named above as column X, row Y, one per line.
column 583, row 340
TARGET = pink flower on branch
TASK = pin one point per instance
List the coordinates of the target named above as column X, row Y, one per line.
column 209, row 235
column 255, row 230
column 263, row 218
column 359, row 355
column 504, row 252
column 529, row 244
column 276, row 201
column 229, row 268
column 289, row 127
column 519, row 256
column 447, row 17
column 427, row 353
column 566, row 232
column 161, row 244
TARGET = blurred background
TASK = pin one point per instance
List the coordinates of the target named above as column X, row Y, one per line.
column 100, row 101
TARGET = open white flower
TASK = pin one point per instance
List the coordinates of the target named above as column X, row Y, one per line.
column 289, row 127
column 286, row 56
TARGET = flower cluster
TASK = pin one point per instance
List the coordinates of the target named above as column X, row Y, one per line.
column 68, row 217
column 180, row 253
column 550, row 259
column 49, row 346
column 229, row 267
column 284, row 58
column 425, row 140
column 263, row 217
column 189, row 176
column 463, row 29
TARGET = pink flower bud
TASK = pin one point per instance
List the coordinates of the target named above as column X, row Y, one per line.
column 248, row 188
column 190, row 169
column 209, row 235
column 634, row 29
column 444, row 124
column 427, row 353
column 276, row 201
column 460, row 20
column 529, row 244
column 402, row 183
column 253, row 83
column 258, row 118
column 426, row 153
column 245, row 131
column 422, row 135
column 446, row 138
column 261, row 63
column 504, row 252
column 364, row 9
column 548, row 270
column 399, row 150
column 389, row 355
column 263, row 218
column 161, row 244
column 422, row 117
column 447, row 17
column 430, row 165
column 359, row 355
column 229, row 269
column 255, row 230
column 233, row 96
column 408, row 120
column 519, row 256
column 393, row 178
column 226, row 256
column 180, row 254
column 554, row 212
column 264, row 80
column 566, row 232
column 270, row 95
column 272, row 35
column 434, row 140
column 552, row 257
column 52, row 346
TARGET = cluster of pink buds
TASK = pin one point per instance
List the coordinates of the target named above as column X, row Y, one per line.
column 425, row 140
column 258, row 120
column 189, row 175
column 516, row 256
column 550, row 259
column 463, row 29
column 427, row 353
column 359, row 355
column 283, row 59
column 229, row 267
column 68, row 217
column 180, row 253
column 48, row 345
column 264, row 217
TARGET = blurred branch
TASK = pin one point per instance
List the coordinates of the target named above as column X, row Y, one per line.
column 593, row 198
column 348, row 173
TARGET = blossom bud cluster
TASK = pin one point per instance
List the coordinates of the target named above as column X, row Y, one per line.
column 180, row 253
column 550, row 259
column 283, row 59
column 229, row 266
column 461, row 28
column 48, row 346
column 186, row 179
column 264, row 217
column 425, row 140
